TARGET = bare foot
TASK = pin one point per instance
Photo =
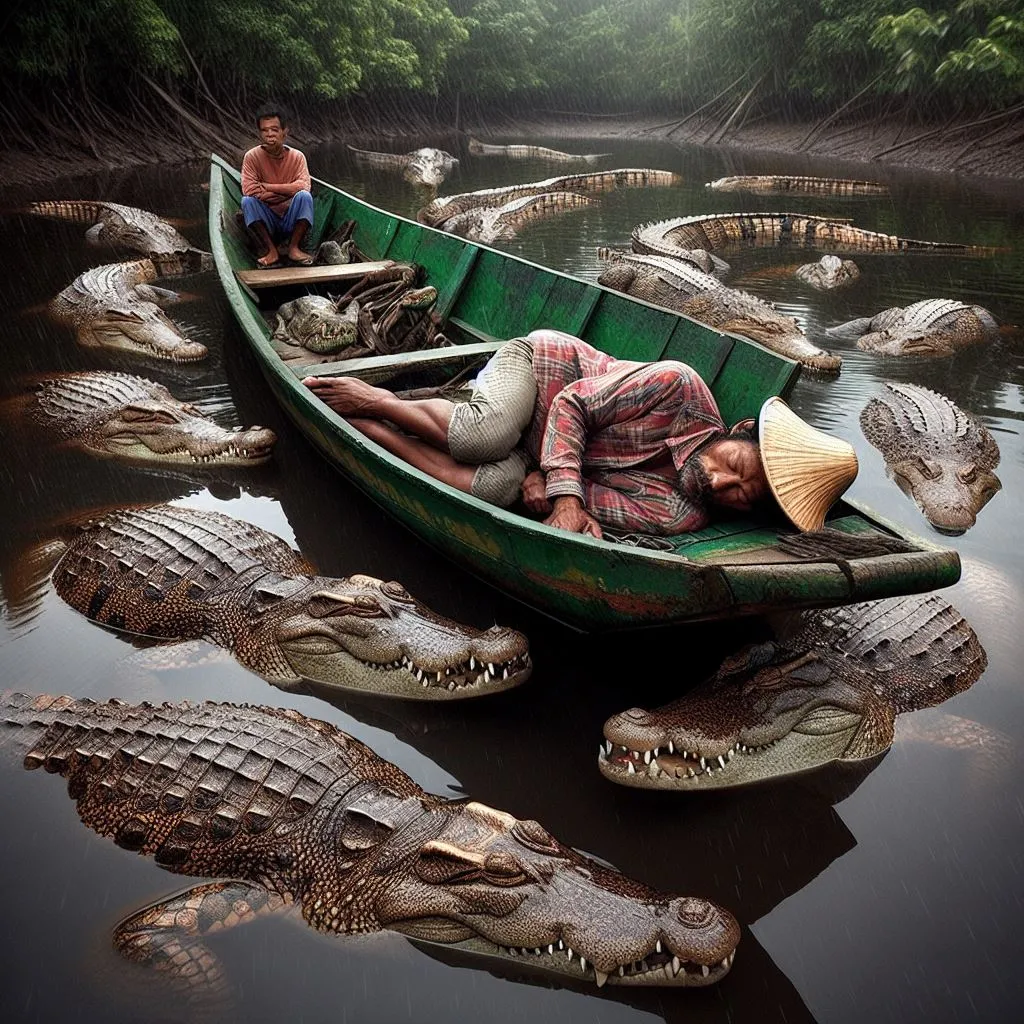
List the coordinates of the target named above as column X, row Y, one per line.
column 299, row 257
column 348, row 396
column 268, row 259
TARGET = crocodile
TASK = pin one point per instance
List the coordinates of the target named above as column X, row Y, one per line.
column 533, row 153
column 186, row 574
column 826, row 690
column 420, row 167
column 717, row 230
column 115, row 307
column 314, row 322
column 679, row 285
column 939, row 455
column 828, row 273
column 128, row 417
column 493, row 223
column 436, row 213
column 930, row 328
column 129, row 228
column 289, row 811
column 798, row 184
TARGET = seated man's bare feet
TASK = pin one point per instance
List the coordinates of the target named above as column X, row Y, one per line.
column 348, row 396
column 268, row 259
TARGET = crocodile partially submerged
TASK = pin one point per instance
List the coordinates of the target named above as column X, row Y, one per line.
column 441, row 210
column 131, row 229
column 501, row 223
column 828, row 273
column 930, row 328
column 719, row 230
column 285, row 810
column 114, row 306
column 517, row 152
column 128, row 417
column 827, row 690
column 677, row 284
column 425, row 166
column 797, row 184
column 186, row 574
column 939, row 455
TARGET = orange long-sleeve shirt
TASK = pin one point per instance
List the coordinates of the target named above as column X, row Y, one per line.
column 274, row 180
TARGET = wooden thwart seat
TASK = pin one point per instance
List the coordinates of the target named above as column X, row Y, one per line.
column 282, row 277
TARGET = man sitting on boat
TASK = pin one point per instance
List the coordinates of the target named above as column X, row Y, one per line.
column 638, row 447
column 277, row 204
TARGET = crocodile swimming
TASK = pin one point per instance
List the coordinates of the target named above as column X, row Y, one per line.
column 493, row 223
column 826, row 690
column 185, row 574
column 115, row 307
column 939, row 455
column 444, row 208
column 930, row 328
column 718, row 230
column 798, row 184
column 128, row 417
column 288, row 811
column 677, row 284
column 420, row 167
column 129, row 228
column 533, row 153
column 828, row 273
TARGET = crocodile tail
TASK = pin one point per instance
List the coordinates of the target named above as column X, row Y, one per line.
column 78, row 211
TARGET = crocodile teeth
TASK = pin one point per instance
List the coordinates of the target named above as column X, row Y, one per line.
column 629, row 768
column 657, row 946
column 705, row 970
column 647, row 757
column 721, row 760
column 675, row 965
column 601, row 977
column 671, row 747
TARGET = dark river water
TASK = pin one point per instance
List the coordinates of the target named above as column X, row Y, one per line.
column 892, row 894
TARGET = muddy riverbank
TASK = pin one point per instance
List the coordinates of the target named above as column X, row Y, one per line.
column 982, row 147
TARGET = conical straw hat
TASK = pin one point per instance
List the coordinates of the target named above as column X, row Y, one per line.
column 807, row 469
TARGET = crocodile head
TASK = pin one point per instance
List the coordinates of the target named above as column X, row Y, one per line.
column 429, row 167
column 940, row 456
column 481, row 880
column 144, row 329
column 831, row 693
column 784, row 335
column 315, row 323
column 829, row 272
column 912, row 340
column 129, row 417
column 364, row 634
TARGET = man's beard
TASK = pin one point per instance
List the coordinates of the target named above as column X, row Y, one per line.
column 695, row 482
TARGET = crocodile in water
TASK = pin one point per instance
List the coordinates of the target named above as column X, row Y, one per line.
column 940, row 456
column 129, row 228
column 186, row 574
column 798, row 184
column 930, row 328
column 285, row 810
column 116, row 414
column 718, row 230
column 420, row 167
column 828, row 273
column 828, row 691
column 677, row 284
column 493, row 223
column 441, row 210
column 533, row 153
column 115, row 307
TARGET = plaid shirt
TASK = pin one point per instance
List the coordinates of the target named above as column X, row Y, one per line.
column 599, row 420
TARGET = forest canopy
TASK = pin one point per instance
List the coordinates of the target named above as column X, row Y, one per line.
column 585, row 55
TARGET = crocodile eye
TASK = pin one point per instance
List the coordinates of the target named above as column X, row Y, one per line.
column 503, row 869
column 395, row 589
column 325, row 604
column 138, row 414
column 534, row 836
column 968, row 474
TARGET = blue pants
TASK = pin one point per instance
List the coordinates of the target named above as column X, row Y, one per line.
column 300, row 208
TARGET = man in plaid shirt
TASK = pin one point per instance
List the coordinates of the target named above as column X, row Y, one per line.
column 627, row 445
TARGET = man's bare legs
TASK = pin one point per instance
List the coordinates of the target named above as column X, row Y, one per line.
column 426, row 418
column 295, row 252
column 437, row 464
column 270, row 254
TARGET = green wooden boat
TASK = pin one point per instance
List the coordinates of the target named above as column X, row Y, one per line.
column 728, row 569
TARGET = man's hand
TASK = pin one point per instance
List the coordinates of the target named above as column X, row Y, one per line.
column 534, row 497
column 569, row 514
